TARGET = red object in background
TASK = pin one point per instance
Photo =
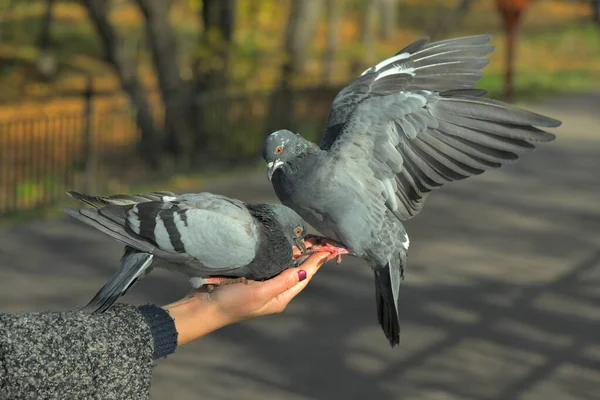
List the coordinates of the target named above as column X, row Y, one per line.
column 511, row 11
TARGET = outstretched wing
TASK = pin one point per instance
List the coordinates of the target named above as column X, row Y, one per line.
column 217, row 232
column 415, row 121
column 438, row 66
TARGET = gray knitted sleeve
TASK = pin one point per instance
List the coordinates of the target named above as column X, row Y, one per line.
column 73, row 355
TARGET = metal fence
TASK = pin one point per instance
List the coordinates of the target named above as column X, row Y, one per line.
column 96, row 149
column 41, row 158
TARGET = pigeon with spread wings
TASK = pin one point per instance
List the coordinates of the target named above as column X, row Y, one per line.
column 405, row 127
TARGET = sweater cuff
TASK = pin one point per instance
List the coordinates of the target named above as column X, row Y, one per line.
column 162, row 328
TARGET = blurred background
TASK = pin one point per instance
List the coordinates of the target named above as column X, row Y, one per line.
column 502, row 298
column 97, row 95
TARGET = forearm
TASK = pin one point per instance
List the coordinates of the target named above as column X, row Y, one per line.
column 110, row 355
column 195, row 316
column 76, row 355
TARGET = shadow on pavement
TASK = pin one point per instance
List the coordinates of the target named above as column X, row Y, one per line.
column 501, row 301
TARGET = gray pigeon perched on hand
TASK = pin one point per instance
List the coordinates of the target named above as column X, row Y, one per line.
column 213, row 239
column 405, row 127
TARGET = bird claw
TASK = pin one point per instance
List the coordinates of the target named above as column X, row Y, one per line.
column 301, row 259
column 212, row 282
column 316, row 244
column 334, row 251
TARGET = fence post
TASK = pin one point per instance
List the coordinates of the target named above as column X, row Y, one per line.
column 89, row 149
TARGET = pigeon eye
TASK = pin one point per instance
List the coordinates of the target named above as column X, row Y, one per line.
column 299, row 230
column 278, row 150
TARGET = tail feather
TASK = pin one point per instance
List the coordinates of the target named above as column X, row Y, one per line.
column 387, row 288
column 134, row 265
column 99, row 219
column 109, row 216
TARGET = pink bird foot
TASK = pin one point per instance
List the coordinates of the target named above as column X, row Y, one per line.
column 316, row 244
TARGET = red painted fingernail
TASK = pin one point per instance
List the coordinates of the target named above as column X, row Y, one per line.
column 301, row 275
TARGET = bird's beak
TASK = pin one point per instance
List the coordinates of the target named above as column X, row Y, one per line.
column 300, row 244
column 272, row 167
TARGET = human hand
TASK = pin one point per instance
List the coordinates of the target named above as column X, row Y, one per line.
column 240, row 302
column 202, row 312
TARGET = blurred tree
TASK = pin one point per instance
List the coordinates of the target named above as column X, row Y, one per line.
column 176, row 95
column 211, row 65
column 184, row 118
column 387, row 12
column 333, row 11
column 596, row 11
column 368, row 25
column 44, row 38
column 450, row 20
column 511, row 11
column 45, row 62
column 300, row 30
column 150, row 143
column 216, row 40
column 302, row 22
column 5, row 8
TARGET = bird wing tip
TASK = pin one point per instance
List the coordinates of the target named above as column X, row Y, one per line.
column 553, row 123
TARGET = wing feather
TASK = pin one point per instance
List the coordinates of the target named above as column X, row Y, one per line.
column 216, row 232
column 213, row 233
column 122, row 199
column 421, row 123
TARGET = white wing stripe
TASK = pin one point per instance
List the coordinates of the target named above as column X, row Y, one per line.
column 390, row 60
column 394, row 71
column 133, row 220
column 161, row 236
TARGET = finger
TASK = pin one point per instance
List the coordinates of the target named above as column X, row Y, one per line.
column 291, row 277
column 315, row 260
column 271, row 288
column 311, row 266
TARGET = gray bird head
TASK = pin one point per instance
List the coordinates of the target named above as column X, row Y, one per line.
column 294, row 227
column 280, row 148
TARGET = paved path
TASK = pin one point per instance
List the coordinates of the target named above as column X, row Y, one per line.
column 502, row 298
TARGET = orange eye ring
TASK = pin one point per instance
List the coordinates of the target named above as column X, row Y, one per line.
column 278, row 150
column 298, row 231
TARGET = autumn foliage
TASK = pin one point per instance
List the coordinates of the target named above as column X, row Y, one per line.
column 34, row 156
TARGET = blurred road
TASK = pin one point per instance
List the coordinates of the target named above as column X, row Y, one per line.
column 502, row 298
